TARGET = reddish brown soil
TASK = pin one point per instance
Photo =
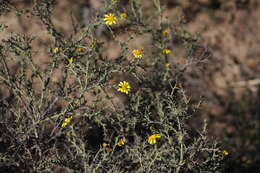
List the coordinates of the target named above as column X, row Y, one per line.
column 229, row 28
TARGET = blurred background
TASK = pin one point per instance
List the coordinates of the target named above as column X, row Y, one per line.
column 227, row 85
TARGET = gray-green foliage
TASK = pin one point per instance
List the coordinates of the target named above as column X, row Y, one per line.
column 31, row 117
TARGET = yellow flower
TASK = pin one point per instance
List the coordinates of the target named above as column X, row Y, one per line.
column 110, row 19
column 66, row 121
column 152, row 138
column 166, row 51
column 165, row 33
column 124, row 87
column 224, row 152
column 91, row 45
column 106, row 147
column 71, row 60
column 79, row 49
column 167, row 65
column 123, row 15
column 114, row 35
column 121, row 142
column 56, row 50
column 138, row 53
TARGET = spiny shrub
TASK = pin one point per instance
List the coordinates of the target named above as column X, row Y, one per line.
column 87, row 112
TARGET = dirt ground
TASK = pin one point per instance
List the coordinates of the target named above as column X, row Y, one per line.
column 228, row 83
column 232, row 35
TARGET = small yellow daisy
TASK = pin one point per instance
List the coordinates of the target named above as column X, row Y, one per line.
column 121, row 142
column 167, row 65
column 56, row 50
column 106, row 147
column 123, row 15
column 124, row 87
column 110, row 19
column 138, row 53
column 114, row 35
column 66, row 121
column 165, row 33
column 71, row 60
column 224, row 152
column 91, row 45
column 166, row 51
column 152, row 139
column 79, row 49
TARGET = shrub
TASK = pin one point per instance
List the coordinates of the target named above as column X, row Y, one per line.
column 122, row 114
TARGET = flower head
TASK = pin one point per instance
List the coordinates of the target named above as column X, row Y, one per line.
column 114, row 35
column 152, row 139
column 110, row 19
column 66, row 121
column 124, row 87
column 71, row 60
column 56, row 50
column 121, row 142
column 79, row 49
column 167, row 65
column 224, row 152
column 91, row 45
column 165, row 32
column 106, row 147
column 166, row 51
column 123, row 15
column 138, row 53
